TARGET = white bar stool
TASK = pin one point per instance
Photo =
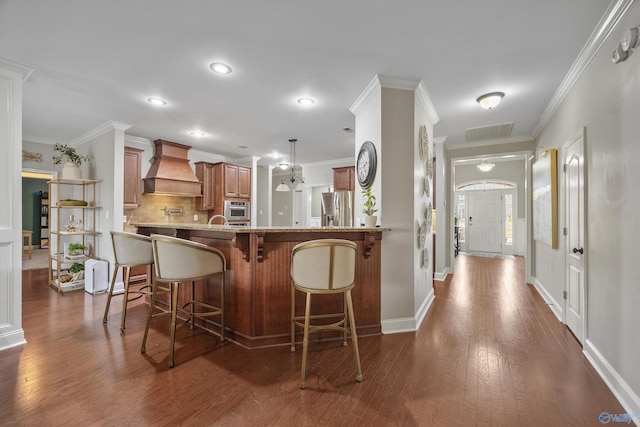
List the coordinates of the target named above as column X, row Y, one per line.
column 324, row 267
column 178, row 260
column 130, row 250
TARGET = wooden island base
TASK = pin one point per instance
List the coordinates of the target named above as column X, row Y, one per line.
column 258, row 282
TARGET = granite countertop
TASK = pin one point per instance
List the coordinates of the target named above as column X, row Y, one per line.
column 240, row 230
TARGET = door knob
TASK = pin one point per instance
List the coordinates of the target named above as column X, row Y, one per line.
column 578, row 251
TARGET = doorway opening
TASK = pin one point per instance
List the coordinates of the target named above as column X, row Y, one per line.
column 484, row 213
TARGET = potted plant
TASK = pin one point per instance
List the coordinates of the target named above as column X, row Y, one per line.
column 369, row 208
column 71, row 168
column 77, row 271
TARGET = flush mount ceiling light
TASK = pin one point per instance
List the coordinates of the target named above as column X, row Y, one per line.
column 485, row 166
column 292, row 181
column 490, row 100
column 156, row 101
column 197, row 133
column 306, row 101
column 283, row 165
column 220, row 68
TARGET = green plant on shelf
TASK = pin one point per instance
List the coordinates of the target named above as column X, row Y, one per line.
column 76, row 268
column 369, row 202
column 69, row 153
column 76, row 248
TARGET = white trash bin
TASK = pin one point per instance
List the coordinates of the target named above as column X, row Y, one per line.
column 96, row 276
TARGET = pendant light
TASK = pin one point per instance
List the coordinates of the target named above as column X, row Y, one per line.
column 291, row 182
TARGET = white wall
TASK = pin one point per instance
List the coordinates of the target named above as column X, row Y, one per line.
column 605, row 100
column 105, row 147
column 264, row 199
column 389, row 114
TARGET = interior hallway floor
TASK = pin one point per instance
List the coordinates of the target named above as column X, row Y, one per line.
column 489, row 353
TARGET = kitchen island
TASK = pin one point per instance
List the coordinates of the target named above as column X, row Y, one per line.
column 258, row 282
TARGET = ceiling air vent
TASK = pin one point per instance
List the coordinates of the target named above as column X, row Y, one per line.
column 487, row 133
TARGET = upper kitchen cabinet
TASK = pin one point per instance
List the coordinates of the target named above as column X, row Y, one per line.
column 237, row 181
column 205, row 172
column 132, row 177
column 344, row 178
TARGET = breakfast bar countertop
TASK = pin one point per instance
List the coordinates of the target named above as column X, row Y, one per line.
column 252, row 229
column 258, row 286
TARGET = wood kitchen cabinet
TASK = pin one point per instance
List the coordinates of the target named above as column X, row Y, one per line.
column 132, row 177
column 344, row 178
column 205, row 172
column 237, row 181
column 220, row 182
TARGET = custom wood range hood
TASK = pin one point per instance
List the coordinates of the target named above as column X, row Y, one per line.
column 170, row 173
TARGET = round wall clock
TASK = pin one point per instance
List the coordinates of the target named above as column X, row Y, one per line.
column 366, row 164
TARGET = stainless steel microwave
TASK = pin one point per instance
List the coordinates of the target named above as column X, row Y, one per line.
column 237, row 211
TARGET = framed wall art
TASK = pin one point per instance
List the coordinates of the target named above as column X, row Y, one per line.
column 545, row 199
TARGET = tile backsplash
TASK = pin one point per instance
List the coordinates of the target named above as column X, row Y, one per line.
column 152, row 210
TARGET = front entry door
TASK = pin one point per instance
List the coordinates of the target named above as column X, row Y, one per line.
column 575, row 244
column 485, row 219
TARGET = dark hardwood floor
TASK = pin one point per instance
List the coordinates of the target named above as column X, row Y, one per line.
column 489, row 353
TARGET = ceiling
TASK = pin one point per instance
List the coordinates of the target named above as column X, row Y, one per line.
column 99, row 61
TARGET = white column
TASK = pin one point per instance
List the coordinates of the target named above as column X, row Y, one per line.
column 12, row 76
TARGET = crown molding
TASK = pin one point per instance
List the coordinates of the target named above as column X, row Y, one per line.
column 136, row 140
column 440, row 140
column 100, row 130
column 511, row 140
column 349, row 161
column 372, row 88
column 425, row 100
column 381, row 81
column 611, row 19
column 40, row 140
column 389, row 82
column 21, row 68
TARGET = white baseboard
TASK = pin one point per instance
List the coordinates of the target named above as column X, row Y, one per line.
column 620, row 389
column 441, row 275
column 408, row 324
column 12, row 339
column 118, row 288
column 546, row 296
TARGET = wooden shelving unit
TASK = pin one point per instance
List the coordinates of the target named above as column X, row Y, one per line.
column 71, row 223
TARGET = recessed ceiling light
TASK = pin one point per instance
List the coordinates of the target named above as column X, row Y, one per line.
column 197, row 133
column 306, row 101
column 275, row 155
column 348, row 130
column 220, row 68
column 242, row 146
column 156, row 101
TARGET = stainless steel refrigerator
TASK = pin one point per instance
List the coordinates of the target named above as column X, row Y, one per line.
column 337, row 209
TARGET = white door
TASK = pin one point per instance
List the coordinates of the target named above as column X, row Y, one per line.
column 485, row 218
column 575, row 237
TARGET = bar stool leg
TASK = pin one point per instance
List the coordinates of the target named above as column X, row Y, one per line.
column 192, row 305
column 174, row 315
column 113, row 284
column 354, row 336
column 345, row 322
column 127, row 276
column 305, row 342
column 152, row 304
column 222, row 307
column 293, row 323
